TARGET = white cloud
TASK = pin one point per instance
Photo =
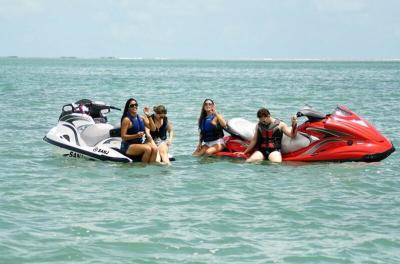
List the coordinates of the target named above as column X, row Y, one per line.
column 340, row 5
column 21, row 8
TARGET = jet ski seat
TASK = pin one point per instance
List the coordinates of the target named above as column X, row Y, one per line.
column 115, row 132
column 241, row 128
column 95, row 133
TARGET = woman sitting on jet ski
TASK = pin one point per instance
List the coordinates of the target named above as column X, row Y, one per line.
column 211, row 132
column 162, row 126
column 134, row 131
column 268, row 136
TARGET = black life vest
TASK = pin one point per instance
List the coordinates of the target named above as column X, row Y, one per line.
column 208, row 131
column 162, row 131
column 269, row 136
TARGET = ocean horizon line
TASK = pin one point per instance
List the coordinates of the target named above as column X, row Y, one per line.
column 209, row 59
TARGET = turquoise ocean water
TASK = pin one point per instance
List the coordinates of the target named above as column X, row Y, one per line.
column 199, row 210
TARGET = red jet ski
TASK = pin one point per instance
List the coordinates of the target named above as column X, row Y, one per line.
column 340, row 136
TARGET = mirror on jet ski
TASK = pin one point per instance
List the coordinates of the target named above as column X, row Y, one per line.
column 105, row 111
column 68, row 108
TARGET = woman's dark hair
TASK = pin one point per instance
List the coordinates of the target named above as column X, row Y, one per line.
column 125, row 113
column 263, row 112
column 160, row 109
column 203, row 113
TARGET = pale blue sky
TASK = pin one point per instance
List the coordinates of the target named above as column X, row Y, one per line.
column 206, row 29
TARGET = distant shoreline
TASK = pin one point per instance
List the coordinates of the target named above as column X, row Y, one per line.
column 193, row 59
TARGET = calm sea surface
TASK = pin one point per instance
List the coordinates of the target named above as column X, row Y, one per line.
column 199, row 210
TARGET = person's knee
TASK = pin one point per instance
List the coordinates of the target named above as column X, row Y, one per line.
column 147, row 149
column 255, row 157
column 162, row 151
column 276, row 159
column 275, row 156
column 153, row 148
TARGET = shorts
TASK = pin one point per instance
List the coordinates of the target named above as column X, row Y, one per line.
column 159, row 141
column 268, row 151
column 220, row 141
column 124, row 149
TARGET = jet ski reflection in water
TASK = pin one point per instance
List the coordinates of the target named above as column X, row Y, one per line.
column 83, row 131
column 340, row 136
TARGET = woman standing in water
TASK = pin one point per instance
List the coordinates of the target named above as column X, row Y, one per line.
column 136, row 140
column 211, row 125
column 159, row 132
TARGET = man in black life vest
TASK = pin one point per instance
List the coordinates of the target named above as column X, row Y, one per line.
column 266, row 142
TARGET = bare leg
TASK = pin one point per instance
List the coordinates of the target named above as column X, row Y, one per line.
column 140, row 149
column 255, row 157
column 158, row 159
column 163, row 150
column 147, row 154
column 154, row 152
column 201, row 151
column 214, row 149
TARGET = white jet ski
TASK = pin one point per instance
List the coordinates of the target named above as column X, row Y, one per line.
column 83, row 132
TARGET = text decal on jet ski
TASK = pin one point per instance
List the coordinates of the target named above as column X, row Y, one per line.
column 96, row 149
column 75, row 155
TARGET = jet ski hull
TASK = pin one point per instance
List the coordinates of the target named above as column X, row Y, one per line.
column 69, row 139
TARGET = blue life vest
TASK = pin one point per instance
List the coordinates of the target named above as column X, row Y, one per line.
column 208, row 131
column 137, row 126
column 162, row 131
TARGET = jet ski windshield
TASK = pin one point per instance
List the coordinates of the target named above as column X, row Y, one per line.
column 342, row 111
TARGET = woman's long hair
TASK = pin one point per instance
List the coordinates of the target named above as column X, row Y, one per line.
column 126, row 108
column 203, row 112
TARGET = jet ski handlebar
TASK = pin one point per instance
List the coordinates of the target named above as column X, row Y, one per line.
column 115, row 108
column 72, row 108
column 311, row 114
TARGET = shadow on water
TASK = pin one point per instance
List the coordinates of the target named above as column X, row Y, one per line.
column 212, row 159
column 353, row 164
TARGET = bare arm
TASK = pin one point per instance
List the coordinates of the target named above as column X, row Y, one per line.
column 290, row 132
column 148, row 136
column 150, row 122
column 220, row 120
column 152, row 126
column 200, row 141
column 252, row 143
column 146, row 121
column 170, row 133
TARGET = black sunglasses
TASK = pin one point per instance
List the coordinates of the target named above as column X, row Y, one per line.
column 133, row 105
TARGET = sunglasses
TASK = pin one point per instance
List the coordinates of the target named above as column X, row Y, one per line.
column 133, row 105
column 208, row 103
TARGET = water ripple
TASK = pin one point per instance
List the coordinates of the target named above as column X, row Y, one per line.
column 197, row 210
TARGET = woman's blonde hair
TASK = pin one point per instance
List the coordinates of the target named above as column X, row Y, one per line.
column 160, row 109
